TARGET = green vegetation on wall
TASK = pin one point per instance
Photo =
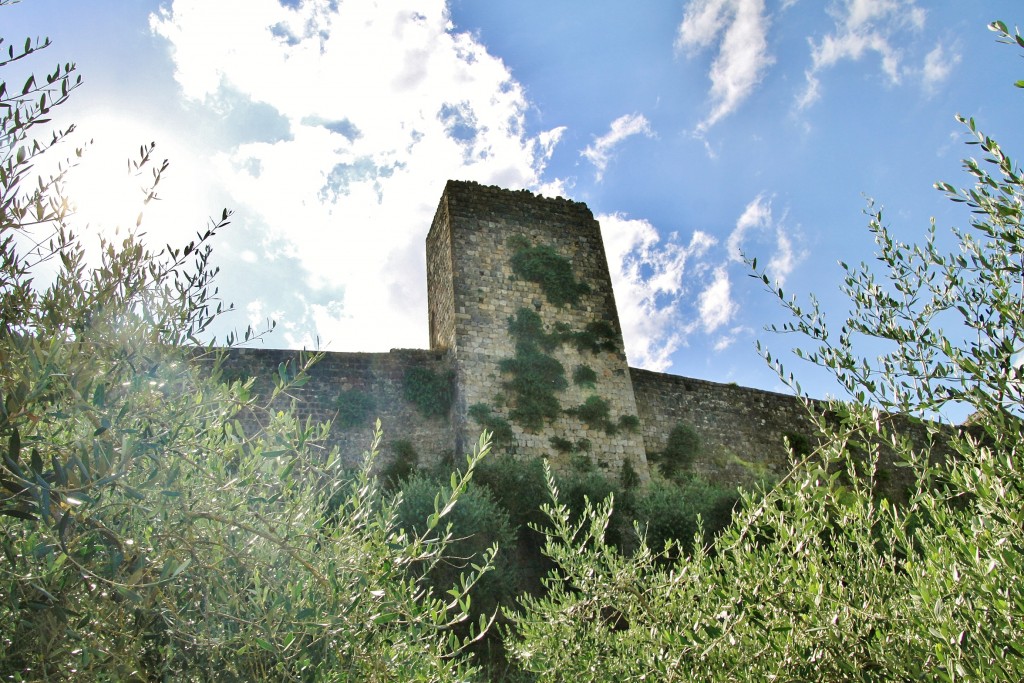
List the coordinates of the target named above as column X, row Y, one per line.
column 535, row 376
column 545, row 266
column 595, row 412
column 596, row 337
column 584, row 376
column 429, row 391
column 563, row 445
column 683, row 446
column 499, row 427
column 355, row 408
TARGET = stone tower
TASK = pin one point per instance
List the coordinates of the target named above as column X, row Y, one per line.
column 520, row 295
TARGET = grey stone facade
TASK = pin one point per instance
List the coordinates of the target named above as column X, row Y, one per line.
column 473, row 292
column 472, row 238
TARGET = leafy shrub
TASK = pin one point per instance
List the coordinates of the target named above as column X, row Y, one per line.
column 578, row 487
column 799, row 443
column 518, row 486
column 581, row 462
column 628, row 477
column 668, row 510
column 476, row 525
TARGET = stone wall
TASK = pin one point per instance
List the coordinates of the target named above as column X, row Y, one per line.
column 335, row 375
column 741, row 430
column 476, row 286
column 440, row 283
column 474, row 293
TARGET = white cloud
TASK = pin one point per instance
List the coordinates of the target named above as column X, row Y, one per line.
column 740, row 27
column 756, row 215
column 728, row 339
column 383, row 102
column 108, row 194
column 702, row 23
column 622, row 128
column 648, row 279
column 862, row 27
column 785, row 259
column 667, row 292
column 715, row 303
column 938, row 64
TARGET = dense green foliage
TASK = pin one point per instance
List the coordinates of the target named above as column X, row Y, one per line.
column 144, row 534
column 429, row 391
column 534, row 376
column 498, row 426
column 478, row 525
column 552, row 271
column 594, row 412
column 819, row 578
column 682, row 447
column 518, row 486
column 679, row 512
column 502, row 506
column 595, row 337
column 401, row 466
column 584, row 376
column 356, row 408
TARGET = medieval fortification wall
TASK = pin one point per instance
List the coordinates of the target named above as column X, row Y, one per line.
column 525, row 341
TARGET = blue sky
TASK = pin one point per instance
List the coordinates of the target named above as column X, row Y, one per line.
column 696, row 130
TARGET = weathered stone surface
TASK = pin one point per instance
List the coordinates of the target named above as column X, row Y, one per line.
column 473, row 291
column 741, row 429
column 380, row 375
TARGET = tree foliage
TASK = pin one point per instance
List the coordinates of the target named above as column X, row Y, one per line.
column 144, row 534
column 820, row 578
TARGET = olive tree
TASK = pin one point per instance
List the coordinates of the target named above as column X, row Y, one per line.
column 144, row 533
column 821, row 578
